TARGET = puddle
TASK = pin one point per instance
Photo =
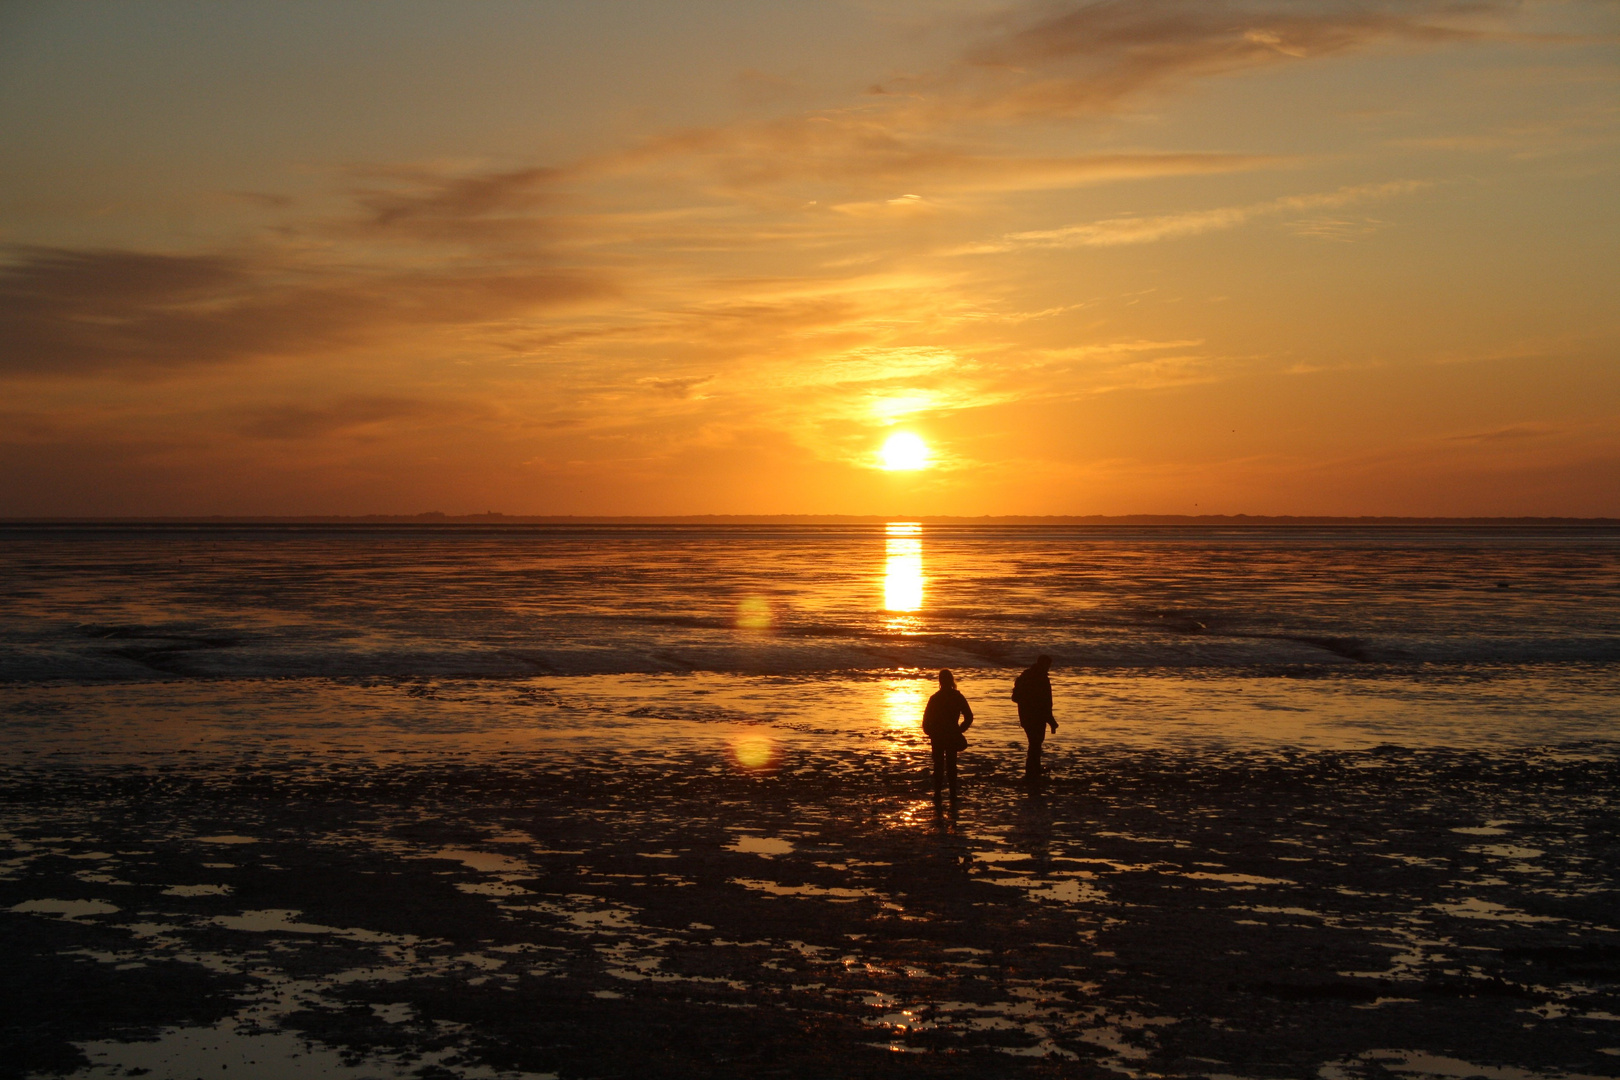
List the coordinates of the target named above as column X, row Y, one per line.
column 485, row 862
column 1236, row 879
column 280, row 921
column 66, row 909
column 493, row 888
column 1474, row 908
column 802, row 890
column 1509, row 851
column 1070, row 891
column 229, row 1051
column 1422, row 1063
column 760, row 845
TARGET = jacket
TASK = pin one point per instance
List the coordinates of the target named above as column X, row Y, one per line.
column 940, row 715
column 1033, row 692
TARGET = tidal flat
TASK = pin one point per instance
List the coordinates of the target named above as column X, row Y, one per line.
column 624, row 912
column 652, row 803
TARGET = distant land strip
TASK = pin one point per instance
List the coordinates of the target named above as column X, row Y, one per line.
column 434, row 518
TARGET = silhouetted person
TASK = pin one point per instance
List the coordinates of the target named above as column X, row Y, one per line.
column 1033, row 692
column 940, row 725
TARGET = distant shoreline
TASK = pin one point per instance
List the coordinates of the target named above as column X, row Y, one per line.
column 431, row 520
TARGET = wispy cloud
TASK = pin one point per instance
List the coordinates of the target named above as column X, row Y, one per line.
column 1146, row 229
column 676, row 386
column 1511, row 433
column 298, row 420
column 1064, row 58
column 883, row 148
column 447, row 205
column 430, row 246
column 1337, row 229
column 68, row 312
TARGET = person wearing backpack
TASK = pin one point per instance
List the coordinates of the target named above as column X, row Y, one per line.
column 1033, row 692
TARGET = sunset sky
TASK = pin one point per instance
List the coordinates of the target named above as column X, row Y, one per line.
column 660, row 257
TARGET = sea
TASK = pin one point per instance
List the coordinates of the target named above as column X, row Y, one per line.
column 517, row 802
column 377, row 638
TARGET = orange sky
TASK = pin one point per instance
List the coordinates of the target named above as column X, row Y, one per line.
column 1155, row 256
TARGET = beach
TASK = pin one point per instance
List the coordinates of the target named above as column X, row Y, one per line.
column 529, row 804
column 502, row 503
column 1255, row 914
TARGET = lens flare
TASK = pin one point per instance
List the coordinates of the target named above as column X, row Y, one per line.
column 754, row 751
column 904, row 452
column 753, row 613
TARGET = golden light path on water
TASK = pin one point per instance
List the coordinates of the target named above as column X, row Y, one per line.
column 756, row 750
column 903, row 701
column 902, row 570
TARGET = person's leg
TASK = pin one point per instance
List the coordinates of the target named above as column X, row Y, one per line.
column 1036, row 733
column 950, row 772
column 939, row 769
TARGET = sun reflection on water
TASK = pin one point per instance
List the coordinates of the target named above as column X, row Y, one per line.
column 903, row 568
column 903, row 702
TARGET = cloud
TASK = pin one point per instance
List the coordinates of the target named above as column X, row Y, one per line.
column 1341, row 230
column 74, row 312
column 1133, row 229
column 925, row 133
column 1069, row 58
column 888, row 150
column 878, row 366
column 297, row 421
column 429, row 247
column 1510, row 434
column 945, row 133
column 680, row 387
column 438, row 205
column 263, row 200
column 1125, row 365
column 904, row 204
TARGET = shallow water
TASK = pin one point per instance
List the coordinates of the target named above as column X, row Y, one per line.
column 602, row 802
column 548, row 637
column 799, row 717
column 348, row 603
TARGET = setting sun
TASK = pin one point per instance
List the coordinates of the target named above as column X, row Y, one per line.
column 904, row 451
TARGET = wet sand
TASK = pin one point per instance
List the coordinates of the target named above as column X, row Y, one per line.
column 672, row 913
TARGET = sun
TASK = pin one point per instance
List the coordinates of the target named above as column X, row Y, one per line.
column 904, row 451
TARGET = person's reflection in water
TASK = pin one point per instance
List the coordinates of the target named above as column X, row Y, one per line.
column 1032, row 832
column 1033, row 692
column 944, row 733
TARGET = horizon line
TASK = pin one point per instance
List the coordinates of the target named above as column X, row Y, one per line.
column 431, row 518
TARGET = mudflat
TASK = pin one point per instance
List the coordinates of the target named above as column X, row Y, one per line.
column 652, row 802
column 672, row 913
